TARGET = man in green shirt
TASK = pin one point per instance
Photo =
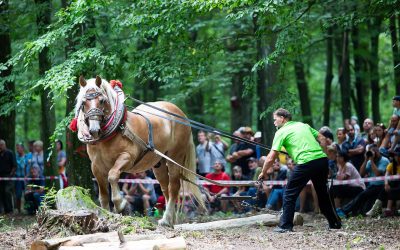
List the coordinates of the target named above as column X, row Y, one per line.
column 300, row 142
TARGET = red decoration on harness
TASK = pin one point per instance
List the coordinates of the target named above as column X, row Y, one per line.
column 74, row 125
column 116, row 82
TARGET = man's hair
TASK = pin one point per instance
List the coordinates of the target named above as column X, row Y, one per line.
column 284, row 113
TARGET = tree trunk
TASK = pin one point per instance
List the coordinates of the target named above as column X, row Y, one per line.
column 360, row 72
column 7, row 127
column 240, row 107
column 302, row 87
column 342, row 55
column 328, row 76
column 48, row 113
column 374, row 29
column 395, row 51
column 78, row 163
column 266, row 85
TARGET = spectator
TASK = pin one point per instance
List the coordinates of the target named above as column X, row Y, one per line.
column 34, row 190
column 367, row 127
column 389, row 142
column 327, row 133
column 346, row 172
column 232, row 149
column 28, row 157
column 379, row 132
column 391, row 191
column 38, row 157
column 276, row 194
column 142, row 195
column 252, row 164
column 374, row 165
column 215, row 191
column 8, row 167
column 396, row 105
column 354, row 147
column 244, row 151
column 341, row 137
column 259, row 151
column 331, row 154
column 203, row 153
column 61, row 162
column 218, row 148
column 20, row 173
column 354, row 122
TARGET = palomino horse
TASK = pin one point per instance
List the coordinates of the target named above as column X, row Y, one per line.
column 97, row 106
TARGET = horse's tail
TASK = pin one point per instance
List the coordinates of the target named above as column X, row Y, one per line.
column 190, row 163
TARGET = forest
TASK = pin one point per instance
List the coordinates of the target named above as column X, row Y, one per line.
column 226, row 63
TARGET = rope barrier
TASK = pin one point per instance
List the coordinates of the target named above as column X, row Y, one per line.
column 230, row 182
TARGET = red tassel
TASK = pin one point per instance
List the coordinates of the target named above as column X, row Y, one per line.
column 116, row 82
column 74, row 125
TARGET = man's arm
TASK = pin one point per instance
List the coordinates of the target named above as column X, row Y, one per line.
column 363, row 166
column 356, row 151
column 268, row 163
column 375, row 169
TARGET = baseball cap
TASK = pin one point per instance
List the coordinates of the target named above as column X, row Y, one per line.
column 396, row 98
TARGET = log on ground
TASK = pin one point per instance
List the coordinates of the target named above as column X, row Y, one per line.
column 80, row 240
column 177, row 243
column 263, row 219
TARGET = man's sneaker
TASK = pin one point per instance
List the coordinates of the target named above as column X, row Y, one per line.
column 281, row 230
column 376, row 209
column 340, row 213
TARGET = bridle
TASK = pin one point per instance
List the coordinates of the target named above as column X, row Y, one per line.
column 93, row 113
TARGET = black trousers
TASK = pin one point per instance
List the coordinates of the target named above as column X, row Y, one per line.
column 364, row 201
column 345, row 191
column 6, row 196
column 316, row 171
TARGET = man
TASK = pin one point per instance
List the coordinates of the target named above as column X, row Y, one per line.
column 243, row 152
column 215, row 191
column 367, row 127
column 203, row 153
column 8, row 166
column 142, row 195
column 20, row 173
column 354, row 147
column 300, row 141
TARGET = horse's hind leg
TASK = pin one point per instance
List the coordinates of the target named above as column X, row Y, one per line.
column 161, row 173
column 113, row 177
column 173, row 190
column 102, row 182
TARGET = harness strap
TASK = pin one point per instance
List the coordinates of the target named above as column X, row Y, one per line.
column 136, row 139
column 199, row 176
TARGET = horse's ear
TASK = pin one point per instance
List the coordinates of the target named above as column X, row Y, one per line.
column 82, row 81
column 98, row 81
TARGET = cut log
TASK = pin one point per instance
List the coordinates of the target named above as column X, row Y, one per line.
column 177, row 243
column 79, row 240
column 264, row 219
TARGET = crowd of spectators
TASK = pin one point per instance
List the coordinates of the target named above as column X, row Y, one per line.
column 25, row 192
column 370, row 150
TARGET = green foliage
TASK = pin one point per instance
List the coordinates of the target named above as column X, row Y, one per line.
column 173, row 50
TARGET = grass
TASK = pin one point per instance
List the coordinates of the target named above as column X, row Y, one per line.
column 8, row 223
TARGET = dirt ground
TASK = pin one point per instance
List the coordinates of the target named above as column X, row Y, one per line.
column 18, row 232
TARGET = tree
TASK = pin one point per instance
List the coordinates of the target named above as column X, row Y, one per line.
column 7, row 121
column 302, row 87
column 328, row 76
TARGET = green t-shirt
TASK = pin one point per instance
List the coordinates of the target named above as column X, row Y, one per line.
column 300, row 142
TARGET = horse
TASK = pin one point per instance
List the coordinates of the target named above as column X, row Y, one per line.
column 97, row 103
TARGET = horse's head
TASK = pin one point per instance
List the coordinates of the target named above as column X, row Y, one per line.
column 95, row 104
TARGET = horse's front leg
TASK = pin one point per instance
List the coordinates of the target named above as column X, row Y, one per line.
column 113, row 176
column 102, row 183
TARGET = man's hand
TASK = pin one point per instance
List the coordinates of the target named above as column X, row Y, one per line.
column 261, row 176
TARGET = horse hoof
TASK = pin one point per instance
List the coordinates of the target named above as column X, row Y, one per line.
column 122, row 206
column 165, row 223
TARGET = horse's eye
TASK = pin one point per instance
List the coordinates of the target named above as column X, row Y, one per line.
column 102, row 100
